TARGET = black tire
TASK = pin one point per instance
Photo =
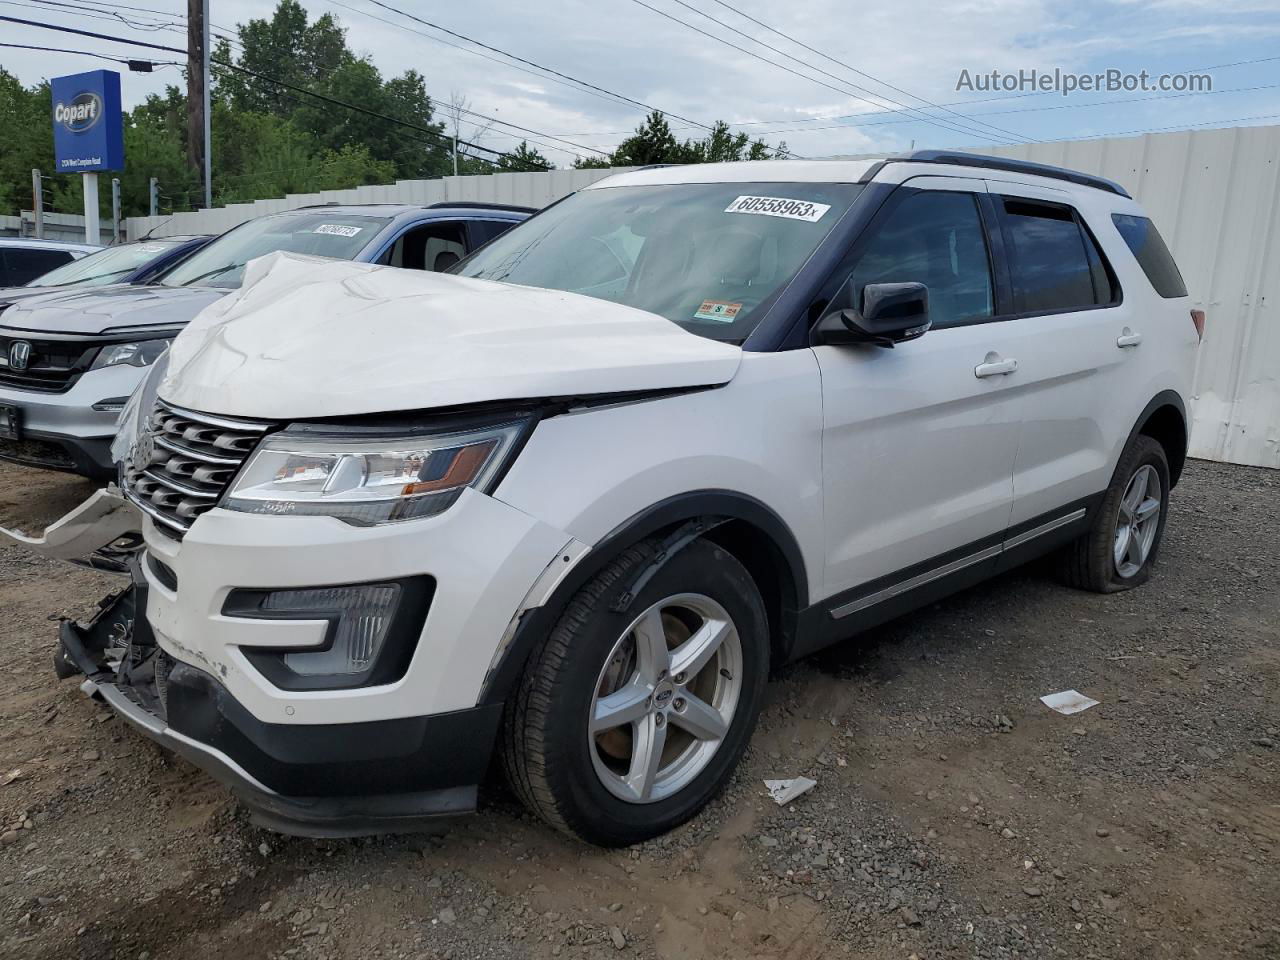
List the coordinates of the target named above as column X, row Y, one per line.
column 1089, row 562
column 547, row 754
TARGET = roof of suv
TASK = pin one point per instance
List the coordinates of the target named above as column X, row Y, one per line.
column 859, row 170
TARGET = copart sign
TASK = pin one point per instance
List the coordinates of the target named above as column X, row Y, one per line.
column 88, row 133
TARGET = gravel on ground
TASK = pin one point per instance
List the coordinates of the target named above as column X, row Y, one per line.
column 954, row 816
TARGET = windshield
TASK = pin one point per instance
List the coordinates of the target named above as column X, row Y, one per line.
column 707, row 256
column 105, row 266
column 221, row 264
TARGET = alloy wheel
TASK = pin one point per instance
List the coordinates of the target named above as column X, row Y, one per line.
column 665, row 698
column 1138, row 521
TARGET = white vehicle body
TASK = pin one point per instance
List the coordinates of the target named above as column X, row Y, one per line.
column 853, row 482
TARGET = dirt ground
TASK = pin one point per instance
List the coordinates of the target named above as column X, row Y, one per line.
column 955, row 816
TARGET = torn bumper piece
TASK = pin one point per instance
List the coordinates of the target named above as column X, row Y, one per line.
column 313, row 780
column 103, row 518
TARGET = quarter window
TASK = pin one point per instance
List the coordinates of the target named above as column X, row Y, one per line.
column 1151, row 253
column 935, row 238
column 1054, row 265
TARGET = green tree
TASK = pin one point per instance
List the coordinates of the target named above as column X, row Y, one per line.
column 522, row 158
column 653, row 142
column 26, row 142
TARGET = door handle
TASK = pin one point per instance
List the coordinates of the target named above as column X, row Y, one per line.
column 993, row 366
column 1128, row 338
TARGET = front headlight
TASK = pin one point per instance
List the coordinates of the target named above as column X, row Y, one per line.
column 138, row 353
column 370, row 481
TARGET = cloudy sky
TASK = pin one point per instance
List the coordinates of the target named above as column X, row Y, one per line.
column 876, row 57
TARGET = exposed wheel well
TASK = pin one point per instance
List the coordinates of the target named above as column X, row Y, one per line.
column 748, row 529
column 768, row 566
column 1166, row 426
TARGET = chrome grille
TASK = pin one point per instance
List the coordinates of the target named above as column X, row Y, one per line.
column 184, row 461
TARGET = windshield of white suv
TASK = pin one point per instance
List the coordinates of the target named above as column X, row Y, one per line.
column 221, row 264
column 710, row 257
column 105, row 266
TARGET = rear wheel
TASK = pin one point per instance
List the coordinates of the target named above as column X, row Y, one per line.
column 627, row 723
column 1121, row 546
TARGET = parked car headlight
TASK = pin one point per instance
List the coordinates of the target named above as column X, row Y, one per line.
column 137, row 353
column 370, row 481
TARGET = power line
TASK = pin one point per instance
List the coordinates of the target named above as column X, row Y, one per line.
column 504, row 123
column 512, row 56
column 844, row 91
column 90, row 33
column 90, row 53
column 607, row 98
column 861, row 73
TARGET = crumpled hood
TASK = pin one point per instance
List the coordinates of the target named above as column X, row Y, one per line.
column 308, row 338
column 91, row 310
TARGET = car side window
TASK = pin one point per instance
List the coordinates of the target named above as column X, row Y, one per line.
column 1142, row 237
column 21, row 266
column 935, row 238
column 432, row 246
column 1054, row 265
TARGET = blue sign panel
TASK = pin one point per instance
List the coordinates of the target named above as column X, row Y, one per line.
column 88, row 131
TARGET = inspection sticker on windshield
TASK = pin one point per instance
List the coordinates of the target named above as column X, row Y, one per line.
column 722, row 311
column 338, row 229
column 779, row 207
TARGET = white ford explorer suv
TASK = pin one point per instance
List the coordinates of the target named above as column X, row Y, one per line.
column 572, row 502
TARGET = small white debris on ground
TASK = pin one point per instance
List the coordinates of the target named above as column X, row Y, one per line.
column 1068, row 702
column 784, row 791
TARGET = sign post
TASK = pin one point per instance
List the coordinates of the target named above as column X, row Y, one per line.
column 88, row 134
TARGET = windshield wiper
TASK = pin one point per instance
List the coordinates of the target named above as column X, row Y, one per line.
column 211, row 273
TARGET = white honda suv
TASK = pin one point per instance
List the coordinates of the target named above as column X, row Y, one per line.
column 572, row 502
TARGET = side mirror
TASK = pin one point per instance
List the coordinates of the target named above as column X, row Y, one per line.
column 891, row 313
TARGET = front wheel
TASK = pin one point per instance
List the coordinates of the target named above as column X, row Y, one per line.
column 627, row 723
column 1118, row 551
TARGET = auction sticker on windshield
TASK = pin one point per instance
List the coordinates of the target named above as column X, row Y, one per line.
column 722, row 311
column 779, row 207
column 338, row 229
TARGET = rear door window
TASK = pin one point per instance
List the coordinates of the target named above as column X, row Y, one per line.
column 1054, row 265
column 20, row 266
column 1148, row 247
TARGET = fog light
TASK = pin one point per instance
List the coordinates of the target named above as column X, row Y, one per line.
column 360, row 618
column 371, row 631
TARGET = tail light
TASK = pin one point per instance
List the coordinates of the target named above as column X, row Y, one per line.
column 1197, row 317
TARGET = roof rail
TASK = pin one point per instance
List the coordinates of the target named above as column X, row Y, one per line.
column 1012, row 166
column 478, row 205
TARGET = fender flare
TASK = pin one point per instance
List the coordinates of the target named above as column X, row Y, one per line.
column 1165, row 398
column 709, row 508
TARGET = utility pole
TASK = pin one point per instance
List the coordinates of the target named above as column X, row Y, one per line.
column 115, row 209
column 37, row 203
column 198, row 139
column 153, row 191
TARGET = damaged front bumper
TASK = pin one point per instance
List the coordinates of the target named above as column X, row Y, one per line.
column 99, row 533
column 317, row 780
